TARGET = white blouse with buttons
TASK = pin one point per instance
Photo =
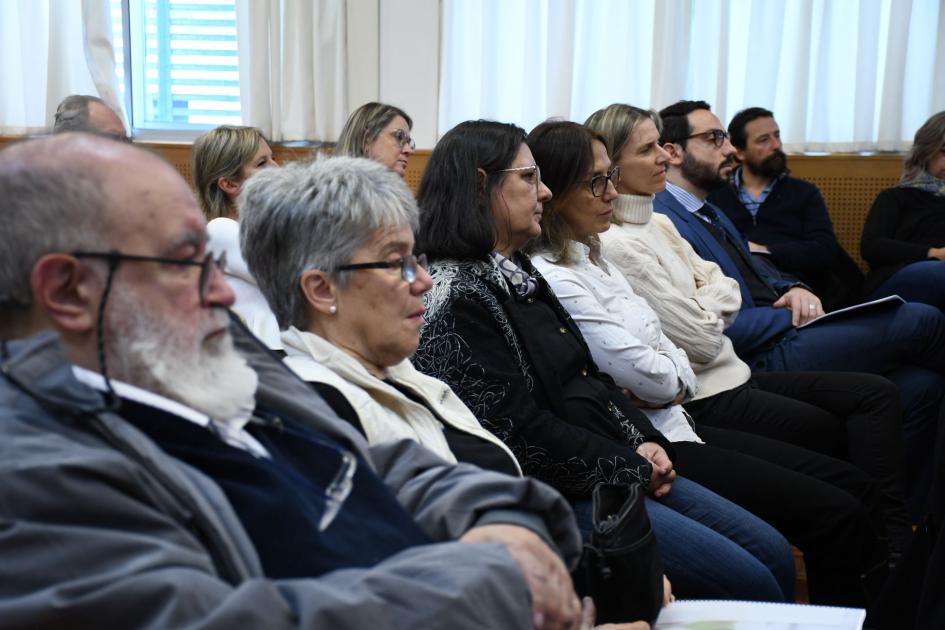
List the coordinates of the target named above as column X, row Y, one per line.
column 624, row 337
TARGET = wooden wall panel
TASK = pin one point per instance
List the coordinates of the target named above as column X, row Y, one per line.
column 848, row 182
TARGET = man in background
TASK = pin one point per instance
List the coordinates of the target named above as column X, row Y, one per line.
column 79, row 112
column 784, row 218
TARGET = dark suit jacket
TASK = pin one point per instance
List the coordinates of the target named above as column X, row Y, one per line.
column 757, row 327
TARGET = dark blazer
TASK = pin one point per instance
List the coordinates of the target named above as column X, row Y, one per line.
column 757, row 327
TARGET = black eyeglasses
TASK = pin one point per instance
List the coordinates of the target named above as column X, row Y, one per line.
column 407, row 265
column 599, row 182
column 403, row 138
column 715, row 136
column 206, row 265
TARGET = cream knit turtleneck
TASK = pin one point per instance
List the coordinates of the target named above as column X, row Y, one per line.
column 636, row 209
column 695, row 301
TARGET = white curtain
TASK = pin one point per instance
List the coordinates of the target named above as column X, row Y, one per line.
column 292, row 67
column 840, row 75
column 43, row 44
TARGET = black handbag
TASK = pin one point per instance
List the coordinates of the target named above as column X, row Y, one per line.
column 620, row 568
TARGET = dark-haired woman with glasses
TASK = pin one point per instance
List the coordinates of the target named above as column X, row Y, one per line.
column 496, row 334
column 378, row 132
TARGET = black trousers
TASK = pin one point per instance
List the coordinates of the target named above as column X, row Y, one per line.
column 825, row 507
column 848, row 415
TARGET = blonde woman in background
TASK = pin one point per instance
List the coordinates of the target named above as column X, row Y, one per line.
column 223, row 159
column 379, row 132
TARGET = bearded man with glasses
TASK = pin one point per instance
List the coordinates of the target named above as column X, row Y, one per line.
column 163, row 469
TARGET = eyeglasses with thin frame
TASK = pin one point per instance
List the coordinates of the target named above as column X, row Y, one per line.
column 408, row 266
column 599, row 182
column 206, row 265
column 534, row 180
column 715, row 136
column 402, row 137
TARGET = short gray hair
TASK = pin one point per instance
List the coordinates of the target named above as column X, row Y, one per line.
column 73, row 113
column 315, row 215
column 52, row 201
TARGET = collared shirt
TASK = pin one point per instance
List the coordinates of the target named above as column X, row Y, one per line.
column 753, row 203
column 689, row 201
column 231, row 431
column 624, row 336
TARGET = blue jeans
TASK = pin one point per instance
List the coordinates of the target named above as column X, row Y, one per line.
column 904, row 343
column 713, row 549
column 922, row 281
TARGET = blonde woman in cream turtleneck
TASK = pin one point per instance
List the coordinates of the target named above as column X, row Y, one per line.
column 850, row 415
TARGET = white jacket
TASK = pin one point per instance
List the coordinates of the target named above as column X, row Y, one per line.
column 250, row 305
column 386, row 414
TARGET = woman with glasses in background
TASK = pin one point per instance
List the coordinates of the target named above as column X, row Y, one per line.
column 378, row 132
column 223, row 159
column 495, row 333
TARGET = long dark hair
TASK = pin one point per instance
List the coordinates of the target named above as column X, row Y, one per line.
column 563, row 152
column 455, row 203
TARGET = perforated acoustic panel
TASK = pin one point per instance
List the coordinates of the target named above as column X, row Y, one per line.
column 849, row 184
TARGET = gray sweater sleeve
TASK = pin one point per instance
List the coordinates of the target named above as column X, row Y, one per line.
column 447, row 500
column 88, row 539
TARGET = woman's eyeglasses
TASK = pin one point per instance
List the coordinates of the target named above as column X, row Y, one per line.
column 408, row 266
column 403, row 138
column 534, row 177
column 599, row 182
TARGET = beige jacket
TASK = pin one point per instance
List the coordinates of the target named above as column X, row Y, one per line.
column 695, row 301
column 386, row 414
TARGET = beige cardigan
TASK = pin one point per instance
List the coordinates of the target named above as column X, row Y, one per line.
column 386, row 414
column 695, row 301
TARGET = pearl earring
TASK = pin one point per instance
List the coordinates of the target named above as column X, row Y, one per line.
column 332, row 309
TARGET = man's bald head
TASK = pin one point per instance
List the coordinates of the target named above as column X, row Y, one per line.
column 57, row 194
column 79, row 112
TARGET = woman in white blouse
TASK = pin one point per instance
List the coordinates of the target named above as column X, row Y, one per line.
column 627, row 342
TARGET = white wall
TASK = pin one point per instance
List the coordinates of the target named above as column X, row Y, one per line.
column 393, row 57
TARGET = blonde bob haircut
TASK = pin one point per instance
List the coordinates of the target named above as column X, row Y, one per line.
column 615, row 124
column 364, row 125
column 222, row 152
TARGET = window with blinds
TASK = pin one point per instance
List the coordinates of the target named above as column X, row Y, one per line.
column 178, row 60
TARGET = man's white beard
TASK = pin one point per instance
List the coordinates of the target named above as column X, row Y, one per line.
column 150, row 353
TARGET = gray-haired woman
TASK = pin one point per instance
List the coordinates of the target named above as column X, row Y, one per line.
column 330, row 245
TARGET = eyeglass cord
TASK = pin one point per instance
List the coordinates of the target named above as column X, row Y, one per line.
column 112, row 402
